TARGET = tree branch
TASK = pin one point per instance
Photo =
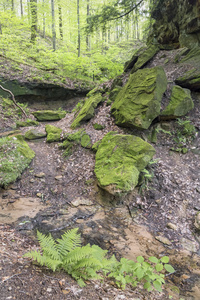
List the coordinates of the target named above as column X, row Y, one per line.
column 13, row 99
column 128, row 12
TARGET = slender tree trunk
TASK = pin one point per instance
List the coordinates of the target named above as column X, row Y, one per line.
column 88, row 36
column 60, row 20
column 28, row 11
column 53, row 25
column 44, row 20
column 0, row 28
column 33, row 7
column 79, row 30
column 21, row 8
column 13, row 5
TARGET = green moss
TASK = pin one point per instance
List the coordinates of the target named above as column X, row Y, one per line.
column 88, row 110
column 144, row 57
column 53, row 133
column 49, row 115
column 68, row 149
column 98, row 126
column 138, row 103
column 15, row 156
column 75, row 136
column 27, row 123
column 119, row 160
column 86, row 141
column 33, row 134
column 180, row 102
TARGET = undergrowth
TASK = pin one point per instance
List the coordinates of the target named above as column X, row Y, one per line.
column 91, row 262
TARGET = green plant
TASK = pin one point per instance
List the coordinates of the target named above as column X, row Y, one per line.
column 89, row 262
column 146, row 176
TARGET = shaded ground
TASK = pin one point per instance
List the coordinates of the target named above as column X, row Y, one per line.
column 67, row 196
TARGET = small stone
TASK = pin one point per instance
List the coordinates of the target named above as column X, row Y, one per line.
column 172, row 226
column 59, row 177
column 39, row 195
column 81, row 201
column 13, row 187
column 49, row 290
column 31, row 180
column 163, row 240
column 10, row 288
column 189, row 245
column 197, row 221
column 40, row 175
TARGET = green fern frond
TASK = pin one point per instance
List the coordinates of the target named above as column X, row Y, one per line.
column 69, row 241
column 79, row 253
column 48, row 246
column 85, row 263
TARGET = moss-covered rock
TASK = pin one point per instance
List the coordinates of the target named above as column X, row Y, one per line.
column 180, row 103
column 53, row 133
column 98, row 126
column 49, row 115
column 190, row 80
column 27, row 123
column 129, row 64
column 34, row 134
column 138, row 103
column 144, row 57
column 79, row 137
column 114, row 93
column 119, row 160
column 88, row 110
column 15, row 156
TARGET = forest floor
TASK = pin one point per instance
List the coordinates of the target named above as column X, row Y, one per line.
column 56, row 194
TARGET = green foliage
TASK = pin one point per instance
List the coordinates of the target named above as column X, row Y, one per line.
column 15, row 156
column 146, row 176
column 89, row 262
column 184, row 135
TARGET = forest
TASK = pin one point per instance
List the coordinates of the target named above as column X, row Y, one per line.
column 99, row 149
column 82, row 39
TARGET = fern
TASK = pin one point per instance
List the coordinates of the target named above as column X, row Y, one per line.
column 89, row 262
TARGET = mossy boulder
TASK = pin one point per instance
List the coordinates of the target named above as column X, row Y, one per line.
column 53, row 133
column 145, row 57
column 130, row 63
column 138, row 103
column 180, row 103
column 34, row 134
column 190, row 80
column 98, row 126
column 27, row 123
column 88, row 110
column 49, row 115
column 79, row 137
column 15, row 156
column 119, row 160
column 114, row 93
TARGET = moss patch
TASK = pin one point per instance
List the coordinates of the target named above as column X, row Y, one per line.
column 27, row 123
column 34, row 134
column 138, row 103
column 88, row 110
column 79, row 137
column 180, row 103
column 119, row 160
column 144, row 57
column 53, row 133
column 49, row 115
column 15, row 156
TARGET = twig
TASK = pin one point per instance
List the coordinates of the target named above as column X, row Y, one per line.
column 10, row 278
column 13, row 99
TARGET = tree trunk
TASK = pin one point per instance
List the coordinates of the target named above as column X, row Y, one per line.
column 13, row 6
column 88, row 36
column 21, row 8
column 60, row 20
column 44, row 21
column 79, row 30
column 33, row 7
column 53, row 25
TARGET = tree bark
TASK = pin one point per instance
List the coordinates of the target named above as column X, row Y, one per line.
column 79, row 30
column 21, row 8
column 33, row 7
column 88, row 36
column 53, row 25
column 60, row 20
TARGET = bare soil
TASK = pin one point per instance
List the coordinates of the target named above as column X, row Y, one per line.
column 66, row 195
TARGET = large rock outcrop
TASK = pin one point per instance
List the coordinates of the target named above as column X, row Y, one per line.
column 177, row 23
column 138, row 103
column 119, row 160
